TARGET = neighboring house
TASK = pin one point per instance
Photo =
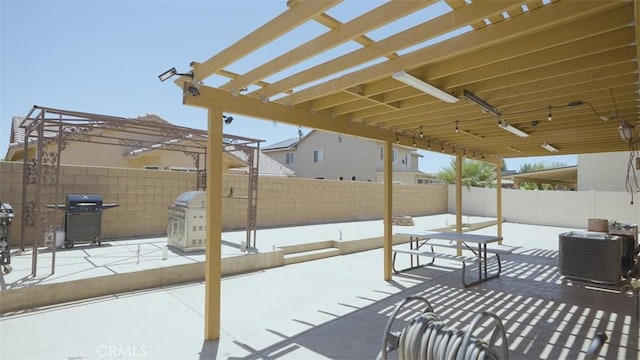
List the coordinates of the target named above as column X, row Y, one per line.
column 323, row 155
column 613, row 171
column 155, row 157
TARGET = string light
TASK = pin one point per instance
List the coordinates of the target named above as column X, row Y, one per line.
column 397, row 139
column 428, row 144
column 420, row 129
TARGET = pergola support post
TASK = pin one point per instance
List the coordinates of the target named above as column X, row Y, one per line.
column 388, row 208
column 459, row 201
column 499, row 199
column 213, row 268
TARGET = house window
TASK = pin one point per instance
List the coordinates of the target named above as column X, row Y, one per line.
column 395, row 155
column 407, row 160
column 151, row 167
column 381, row 153
column 317, row 156
column 288, row 158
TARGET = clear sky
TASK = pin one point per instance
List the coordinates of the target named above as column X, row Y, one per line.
column 104, row 57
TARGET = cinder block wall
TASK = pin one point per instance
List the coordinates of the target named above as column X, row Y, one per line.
column 144, row 195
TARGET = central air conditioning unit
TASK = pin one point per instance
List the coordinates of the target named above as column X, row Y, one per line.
column 592, row 256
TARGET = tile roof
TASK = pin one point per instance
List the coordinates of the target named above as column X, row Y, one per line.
column 284, row 144
column 266, row 165
column 17, row 133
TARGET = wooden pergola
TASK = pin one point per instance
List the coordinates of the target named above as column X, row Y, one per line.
column 518, row 75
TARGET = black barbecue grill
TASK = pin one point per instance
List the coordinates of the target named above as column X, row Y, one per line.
column 83, row 218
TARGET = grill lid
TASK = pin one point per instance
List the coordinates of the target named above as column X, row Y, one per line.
column 192, row 200
column 84, row 203
column 77, row 199
column 6, row 212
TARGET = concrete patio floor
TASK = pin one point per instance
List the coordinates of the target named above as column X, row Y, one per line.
column 334, row 308
column 87, row 260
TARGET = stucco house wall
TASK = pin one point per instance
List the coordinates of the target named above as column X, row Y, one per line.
column 605, row 172
column 342, row 156
column 91, row 154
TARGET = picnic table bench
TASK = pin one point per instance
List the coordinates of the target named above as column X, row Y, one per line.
column 432, row 240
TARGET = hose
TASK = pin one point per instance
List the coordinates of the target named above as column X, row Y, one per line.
column 390, row 341
column 425, row 337
column 497, row 331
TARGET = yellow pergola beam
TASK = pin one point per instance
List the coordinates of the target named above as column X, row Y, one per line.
column 263, row 35
column 592, row 62
column 333, row 23
column 252, row 107
column 411, row 118
column 362, row 103
column 604, row 42
column 337, row 98
column 552, row 95
column 414, row 109
column 559, row 96
column 562, row 12
column 456, row 4
column 613, row 71
column 584, row 28
column 374, row 19
column 430, row 29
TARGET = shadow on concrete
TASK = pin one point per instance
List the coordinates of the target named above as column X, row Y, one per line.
column 545, row 316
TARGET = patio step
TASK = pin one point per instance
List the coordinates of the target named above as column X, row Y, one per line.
column 298, row 248
column 315, row 254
